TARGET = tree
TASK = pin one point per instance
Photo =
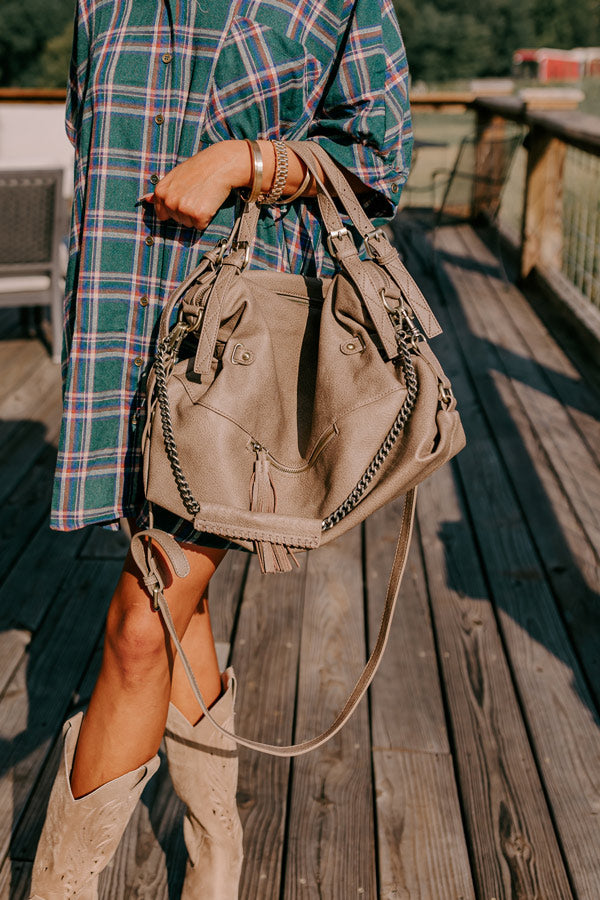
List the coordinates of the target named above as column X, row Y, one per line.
column 53, row 63
column 444, row 44
column 450, row 39
column 26, row 27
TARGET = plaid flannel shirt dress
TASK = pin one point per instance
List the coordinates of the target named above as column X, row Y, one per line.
column 152, row 83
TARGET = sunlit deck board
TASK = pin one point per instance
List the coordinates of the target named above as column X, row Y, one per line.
column 448, row 783
column 553, row 690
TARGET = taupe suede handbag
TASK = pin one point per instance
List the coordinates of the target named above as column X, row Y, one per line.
column 283, row 410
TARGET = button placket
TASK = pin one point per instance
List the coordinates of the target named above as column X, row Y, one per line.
column 152, row 257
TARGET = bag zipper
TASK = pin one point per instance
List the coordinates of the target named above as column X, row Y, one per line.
column 327, row 436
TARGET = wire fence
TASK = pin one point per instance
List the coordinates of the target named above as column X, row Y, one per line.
column 581, row 224
column 438, row 139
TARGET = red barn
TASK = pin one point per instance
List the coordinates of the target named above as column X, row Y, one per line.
column 547, row 64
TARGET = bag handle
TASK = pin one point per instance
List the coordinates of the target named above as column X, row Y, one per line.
column 342, row 247
column 378, row 246
column 142, row 555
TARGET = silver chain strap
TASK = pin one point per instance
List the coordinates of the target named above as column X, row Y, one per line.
column 165, row 353
column 356, row 495
column 164, row 359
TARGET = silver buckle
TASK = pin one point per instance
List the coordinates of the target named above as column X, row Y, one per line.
column 377, row 232
column 335, row 235
column 225, row 248
column 245, row 246
column 221, row 248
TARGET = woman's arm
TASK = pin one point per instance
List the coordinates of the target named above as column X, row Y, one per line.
column 363, row 121
column 193, row 191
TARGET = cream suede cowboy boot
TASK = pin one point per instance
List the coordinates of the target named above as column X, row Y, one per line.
column 79, row 837
column 204, row 767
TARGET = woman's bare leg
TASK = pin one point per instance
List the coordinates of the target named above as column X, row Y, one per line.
column 126, row 717
column 199, row 646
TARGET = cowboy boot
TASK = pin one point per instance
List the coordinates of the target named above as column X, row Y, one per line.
column 80, row 837
column 204, row 767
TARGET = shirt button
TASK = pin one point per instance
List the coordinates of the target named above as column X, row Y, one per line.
column 144, row 301
column 167, row 57
column 159, row 119
column 149, row 240
column 138, row 361
column 394, row 188
column 154, row 178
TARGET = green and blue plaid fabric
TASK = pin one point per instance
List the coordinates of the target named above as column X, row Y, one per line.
column 153, row 82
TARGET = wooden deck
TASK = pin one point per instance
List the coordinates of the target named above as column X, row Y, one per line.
column 473, row 771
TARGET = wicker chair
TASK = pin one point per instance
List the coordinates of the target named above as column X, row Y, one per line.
column 31, row 228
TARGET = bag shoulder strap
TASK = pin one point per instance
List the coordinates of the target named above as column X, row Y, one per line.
column 377, row 244
column 141, row 550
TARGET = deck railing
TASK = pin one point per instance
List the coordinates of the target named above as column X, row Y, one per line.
column 552, row 211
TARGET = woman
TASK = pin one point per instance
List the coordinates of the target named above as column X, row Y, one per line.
column 162, row 96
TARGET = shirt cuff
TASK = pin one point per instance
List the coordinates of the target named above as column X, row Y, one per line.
column 363, row 161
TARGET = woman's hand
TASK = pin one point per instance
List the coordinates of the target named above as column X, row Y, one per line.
column 193, row 191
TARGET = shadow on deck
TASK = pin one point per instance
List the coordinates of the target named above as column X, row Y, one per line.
column 474, row 769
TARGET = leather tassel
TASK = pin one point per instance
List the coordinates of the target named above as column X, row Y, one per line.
column 272, row 558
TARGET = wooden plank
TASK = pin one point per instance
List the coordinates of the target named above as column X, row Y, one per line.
column 43, row 564
column 14, row 880
column 225, row 594
column 330, row 847
column 575, row 466
column 13, row 647
column 491, row 149
column 265, row 656
column 34, row 706
column 25, row 839
column 24, row 509
column 513, row 845
column 420, row 833
column 580, row 399
column 579, row 319
column 32, row 95
column 19, row 360
column 571, row 563
column 558, row 706
column 29, row 422
column 23, row 442
column 407, row 710
column 575, row 128
column 421, row 843
column 559, row 709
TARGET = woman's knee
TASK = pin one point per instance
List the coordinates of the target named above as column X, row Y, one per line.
column 136, row 641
